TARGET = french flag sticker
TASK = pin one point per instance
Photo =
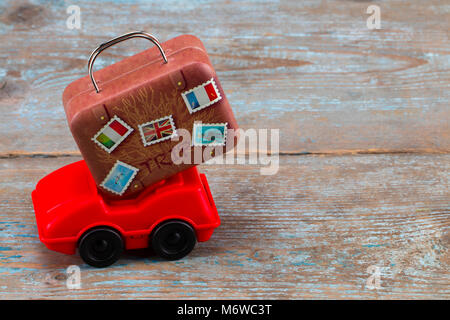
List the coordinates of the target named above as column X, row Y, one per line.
column 201, row 96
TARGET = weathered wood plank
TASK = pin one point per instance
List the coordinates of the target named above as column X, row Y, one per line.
column 311, row 231
column 311, row 68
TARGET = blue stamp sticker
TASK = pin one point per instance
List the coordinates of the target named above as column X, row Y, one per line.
column 119, row 178
column 209, row 134
column 201, row 96
column 192, row 99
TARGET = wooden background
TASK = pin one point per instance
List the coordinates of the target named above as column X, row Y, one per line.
column 364, row 147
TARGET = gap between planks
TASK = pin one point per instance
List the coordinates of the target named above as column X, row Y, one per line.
column 21, row 154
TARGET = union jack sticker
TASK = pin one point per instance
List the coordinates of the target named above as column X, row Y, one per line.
column 201, row 96
column 157, row 130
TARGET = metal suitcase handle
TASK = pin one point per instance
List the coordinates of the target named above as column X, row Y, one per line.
column 126, row 36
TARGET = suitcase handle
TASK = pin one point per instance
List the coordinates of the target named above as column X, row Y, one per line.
column 126, row 36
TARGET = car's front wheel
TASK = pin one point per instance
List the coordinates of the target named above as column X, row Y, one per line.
column 101, row 247
column 172, row 240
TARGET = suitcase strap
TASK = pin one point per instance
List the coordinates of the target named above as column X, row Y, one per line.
column 126, row 36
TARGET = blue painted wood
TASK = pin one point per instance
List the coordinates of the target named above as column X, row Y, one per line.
column 311, row 231
column 311, row 68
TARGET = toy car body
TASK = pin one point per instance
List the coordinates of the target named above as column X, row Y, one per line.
column 170, row 215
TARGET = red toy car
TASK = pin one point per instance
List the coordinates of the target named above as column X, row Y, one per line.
column 170, row 216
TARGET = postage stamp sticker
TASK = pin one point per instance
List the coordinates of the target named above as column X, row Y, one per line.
column 119, row 178
column 157, row 130
column 209, row 134
column 201, row 96
column 112, row 134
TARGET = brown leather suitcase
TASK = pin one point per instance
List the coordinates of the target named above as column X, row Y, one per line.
column 123, row 117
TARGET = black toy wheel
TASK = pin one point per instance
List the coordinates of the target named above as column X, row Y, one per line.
column 101, row 247
column 172, row 240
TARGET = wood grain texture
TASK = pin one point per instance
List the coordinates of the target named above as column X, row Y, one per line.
column 309, row 67
column 311, row 231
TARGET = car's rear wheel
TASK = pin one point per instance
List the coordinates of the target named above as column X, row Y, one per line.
column 172, row 240
column 101, row 247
